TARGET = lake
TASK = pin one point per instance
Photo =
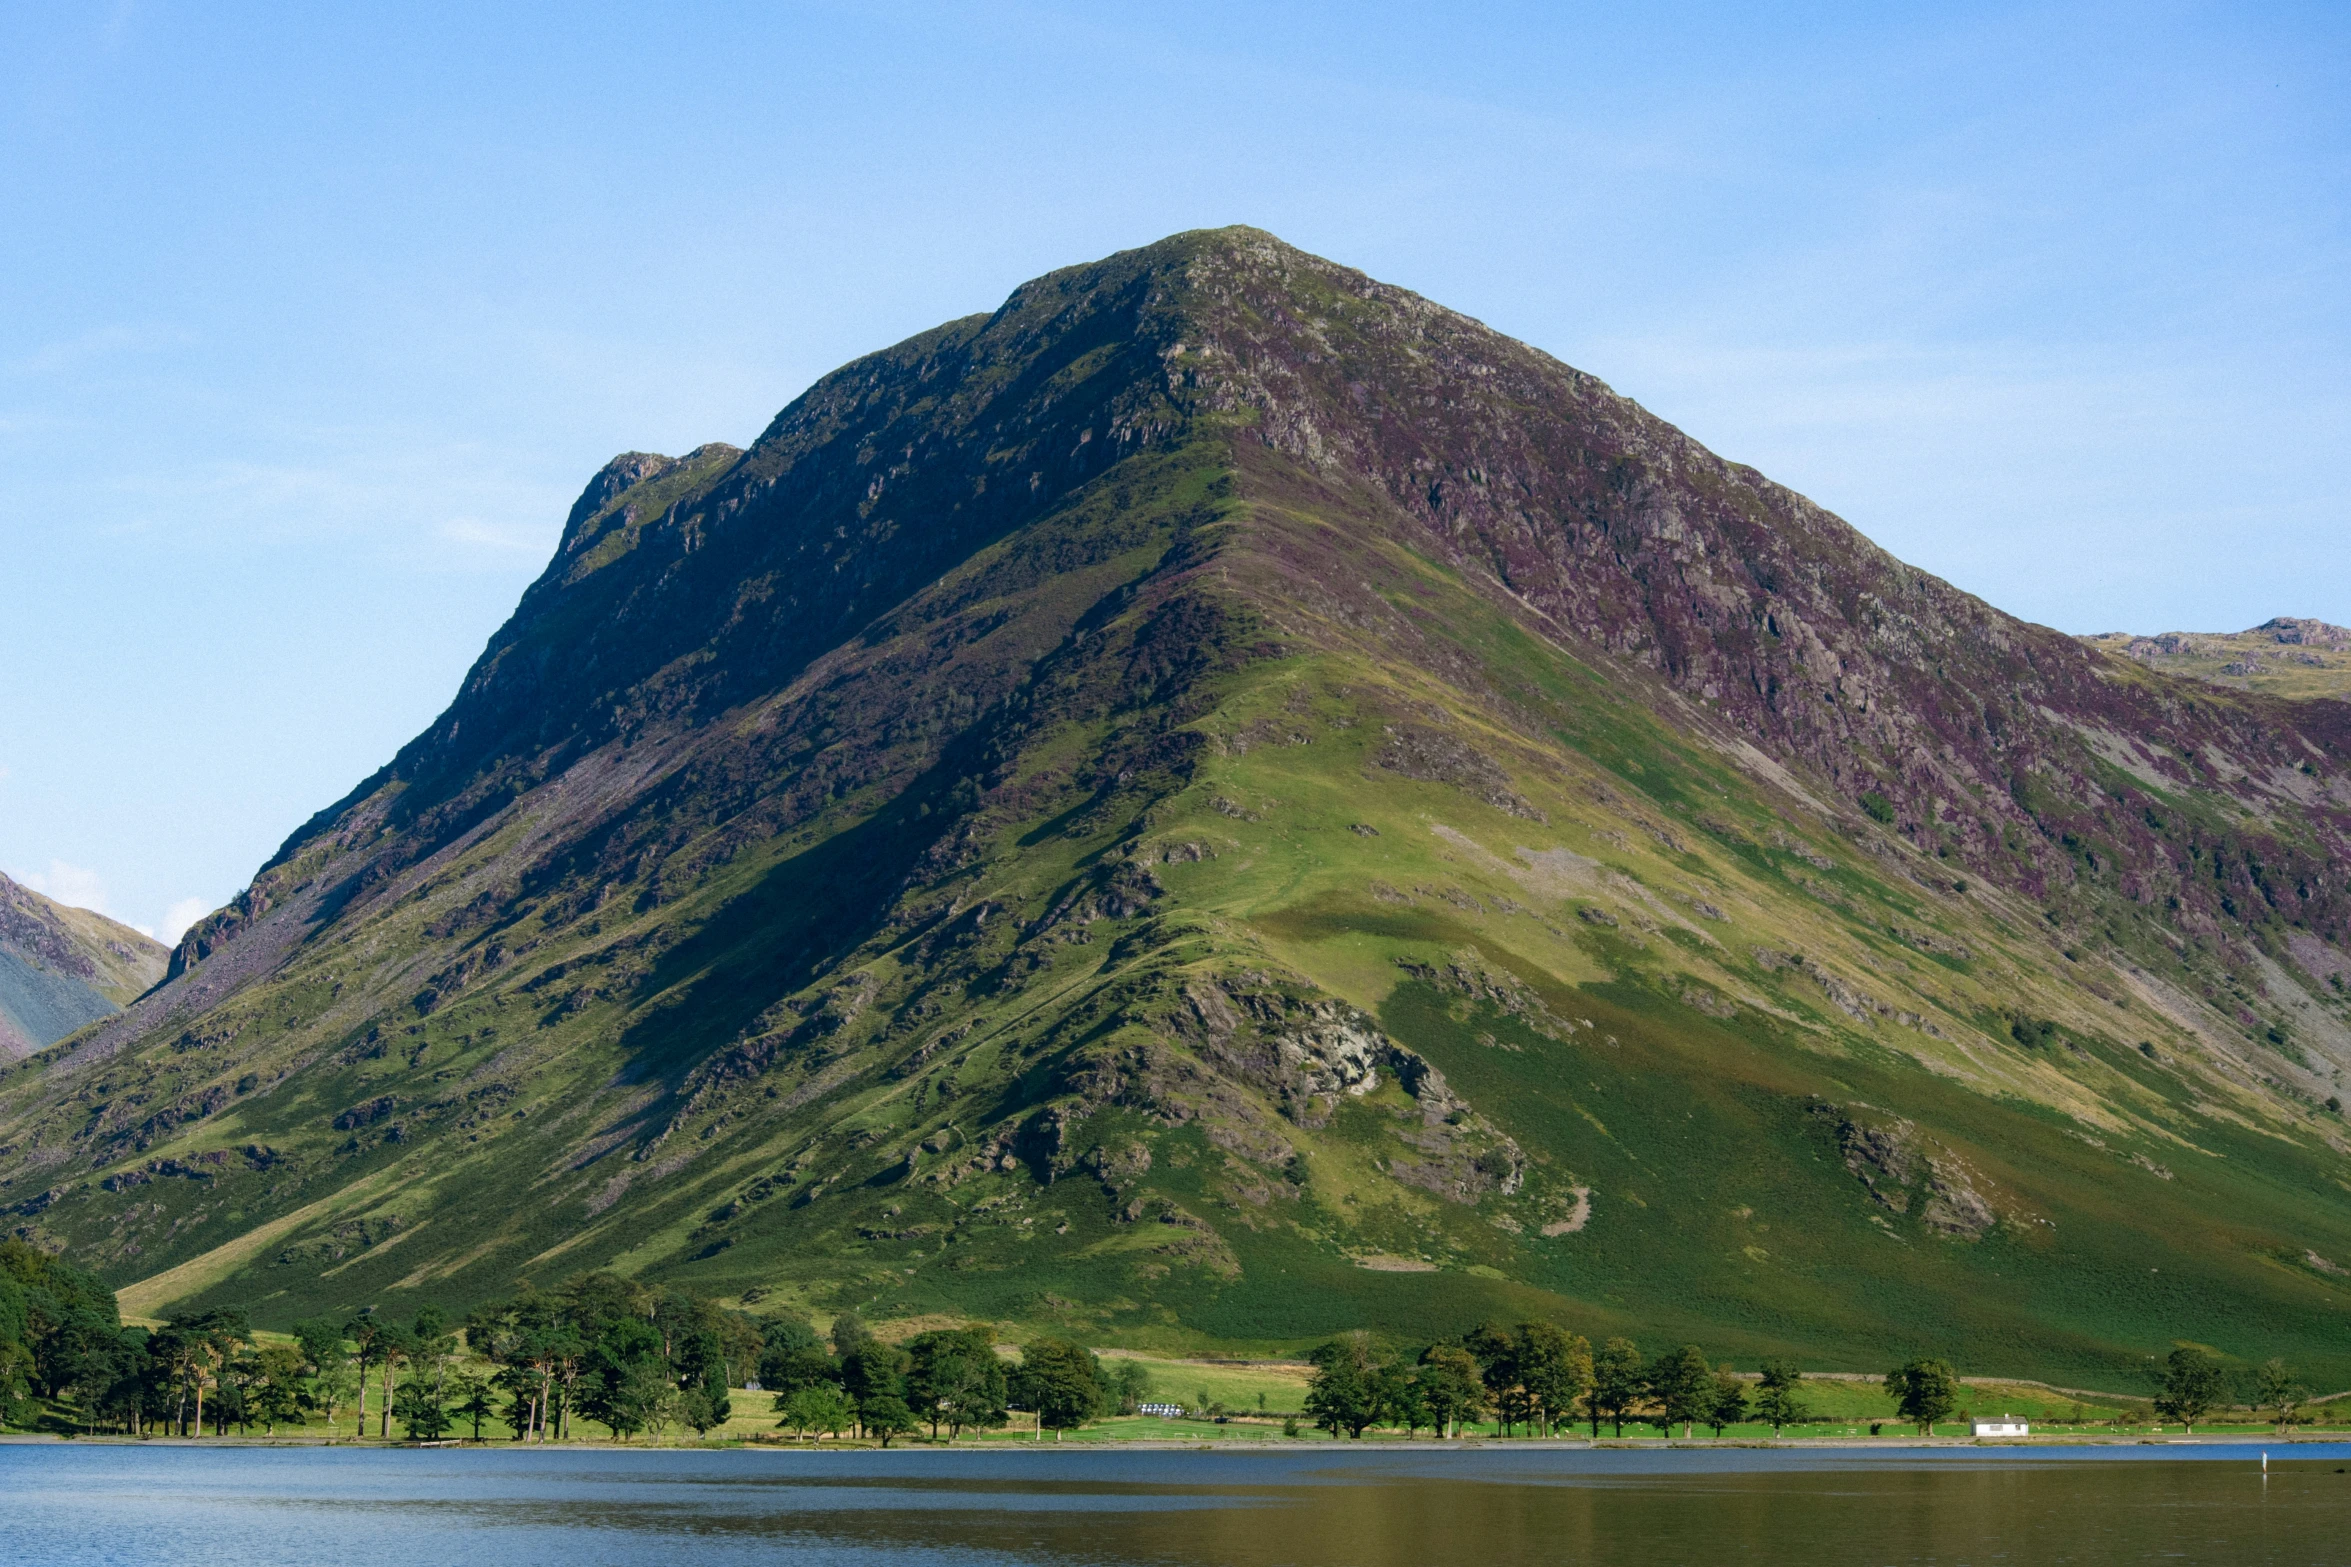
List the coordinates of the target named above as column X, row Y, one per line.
column 70, row 1505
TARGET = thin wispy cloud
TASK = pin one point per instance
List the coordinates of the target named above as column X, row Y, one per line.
column 81, row 350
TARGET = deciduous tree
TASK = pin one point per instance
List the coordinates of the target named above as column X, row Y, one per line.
column 1777, row 1401
column 1618, row 1379
column 1061, row 1381
column 1924, row 1391
column 2192, row 1384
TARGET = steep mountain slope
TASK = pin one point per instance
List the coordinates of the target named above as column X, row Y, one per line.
column 62, row 968
column 2288, row 656
column 1224, row 801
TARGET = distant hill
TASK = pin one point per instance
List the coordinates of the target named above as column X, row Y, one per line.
column 2288, row 656
column 62, row 968
column 1222, row 801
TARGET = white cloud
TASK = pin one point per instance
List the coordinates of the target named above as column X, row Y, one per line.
column 181, row 915
column 71, row 885
column 99, row 343
column 511, row 537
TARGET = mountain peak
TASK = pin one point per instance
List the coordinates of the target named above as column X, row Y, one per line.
column 1139, row 809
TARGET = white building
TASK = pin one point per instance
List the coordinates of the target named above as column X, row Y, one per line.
column 2000, row 1425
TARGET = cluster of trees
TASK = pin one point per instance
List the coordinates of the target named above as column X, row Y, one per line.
column 950, row 1380
column 604, row 1347
column 610, row 1350
column 60, row 1334
column 2194, row 1384
column 1538, row 1376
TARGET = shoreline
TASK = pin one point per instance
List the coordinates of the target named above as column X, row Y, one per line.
column 1220, row 1445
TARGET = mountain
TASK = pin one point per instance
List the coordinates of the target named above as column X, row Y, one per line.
column 2290, row 656
column 62, row 968
column 1223, row 801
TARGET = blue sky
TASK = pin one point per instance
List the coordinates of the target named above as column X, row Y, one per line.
column 313, row 319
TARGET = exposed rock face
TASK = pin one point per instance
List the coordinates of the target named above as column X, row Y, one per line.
column 1898, row 1166
column 2291, row 631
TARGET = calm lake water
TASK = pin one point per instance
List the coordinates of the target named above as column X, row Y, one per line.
column 67, row 1506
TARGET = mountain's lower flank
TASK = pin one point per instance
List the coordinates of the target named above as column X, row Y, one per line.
column 1223, row 802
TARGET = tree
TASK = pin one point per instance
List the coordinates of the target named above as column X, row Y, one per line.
column 701, row 1362
column 1777, row 1402
column 1397, row 1393
column 393, row 1347
column 849, row 1331
column 200, row 1348
column 885, row 1415
column 818, row 1406
column 1680, row 1384
column 1923, row 1391
column 1129, row 1385
column 1343, row 1393
column 332, row 1387
column 1061, row 1381
column 277, row 1392
column 621, row 1369
column 365, row 1331
column 792, row 1356
column 1554, row 1369
column 1451, row 1388
column 474, row 1397
column 2192, row 1384
column 2278, row 1392
column 327, row 1354
column 418, row 1405
column 1618, row 1379
column 955, row 1378
column 1726, row 1401
column 1497, row 1352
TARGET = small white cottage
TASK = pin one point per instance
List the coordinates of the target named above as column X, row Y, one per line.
column 2000, row 1425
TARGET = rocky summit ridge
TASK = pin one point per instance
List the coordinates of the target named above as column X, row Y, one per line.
column 2288, row 655
column 1223, row 801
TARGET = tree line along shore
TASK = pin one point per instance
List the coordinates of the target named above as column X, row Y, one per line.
column 605, row 1358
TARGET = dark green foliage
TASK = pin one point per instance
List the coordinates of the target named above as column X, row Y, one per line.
column 1536, row 1372
column 2193, row 1383
column 633, row 1360
column 2276, row 1390
column 1924, row 1391
column 1778, row 1403
column 1880, row 808
column 955, row 1378
column 1344, row 1394
column 418, row 1406
column 1451, row 1387
column 884, row 1416
column 1681, row 1389
column 1619, row 1378
column 1128, row 1382
column 1726, row 1401
column 1059, row 1380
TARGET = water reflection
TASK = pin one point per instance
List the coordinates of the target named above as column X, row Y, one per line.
column 77, row 1505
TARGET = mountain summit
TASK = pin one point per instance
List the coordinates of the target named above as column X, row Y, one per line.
column 1223, row 801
